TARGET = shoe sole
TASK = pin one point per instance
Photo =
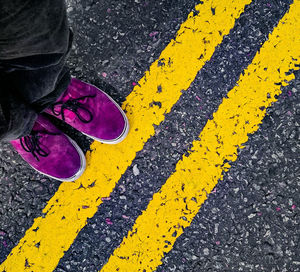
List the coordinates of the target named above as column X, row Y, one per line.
column 125, row 130
column 80, row 171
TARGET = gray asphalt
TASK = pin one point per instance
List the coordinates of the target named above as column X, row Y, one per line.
column 251, row 221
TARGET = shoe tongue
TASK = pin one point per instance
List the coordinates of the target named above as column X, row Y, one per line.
column 76, row 90
column 72, row 95
column 67, row 95
column 70, row 115
column 37, row 126
column 44, row 126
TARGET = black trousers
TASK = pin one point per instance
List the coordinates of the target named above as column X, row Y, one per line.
column 34, row 43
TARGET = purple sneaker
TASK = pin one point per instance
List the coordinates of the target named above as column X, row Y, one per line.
column 91, row 111
column 51, row 152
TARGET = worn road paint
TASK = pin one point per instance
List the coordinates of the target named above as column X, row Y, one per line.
column 67, row 212
column 175, row 205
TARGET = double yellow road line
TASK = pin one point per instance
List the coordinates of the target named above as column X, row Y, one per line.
column 175, row 205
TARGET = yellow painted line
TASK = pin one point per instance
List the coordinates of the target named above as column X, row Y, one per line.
column 67, row 212
column 175, row 205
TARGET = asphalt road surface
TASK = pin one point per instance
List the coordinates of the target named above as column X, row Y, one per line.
column 250, row 220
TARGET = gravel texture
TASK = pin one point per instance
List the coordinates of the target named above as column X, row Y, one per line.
column 251, row 220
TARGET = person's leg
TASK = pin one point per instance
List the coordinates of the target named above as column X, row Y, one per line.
column 25, row 93
column 35, row 79
column 34, row 43
column 32, row 27
column 33, row 87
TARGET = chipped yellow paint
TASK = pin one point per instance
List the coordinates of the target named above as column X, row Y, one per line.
column 67, row 212
column 175, row 205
